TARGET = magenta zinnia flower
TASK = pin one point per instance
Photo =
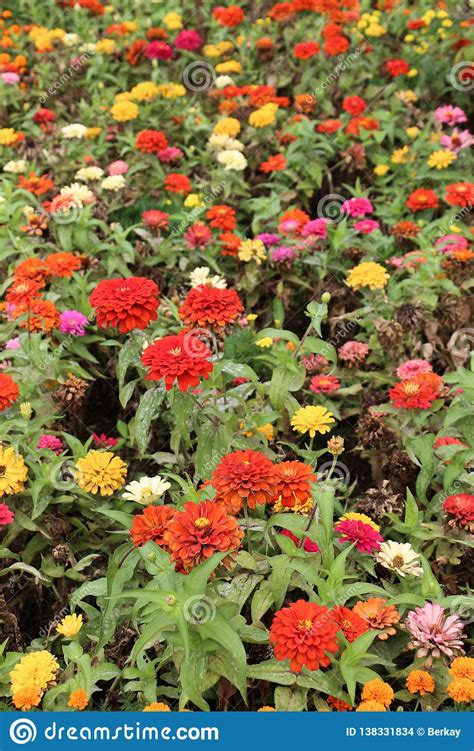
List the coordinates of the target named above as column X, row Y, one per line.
column 73, row 322
column 6, row 514
column 364, row 536
column 50, row 442
column 357, row 207
column 434, row 634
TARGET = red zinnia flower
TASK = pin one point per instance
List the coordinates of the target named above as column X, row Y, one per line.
column 303, row 633
column 422, row 199
column 197, row 236
column 61, row 264
column 293, row 483
column 31, row 268
column 229, row 16
column 336, row 44
column 200, row 530
column 156, row 219
column 151, row 525
column 460, row 194
column 151, row 141
column 305, row 50
column 413, row 394
column 158, row 50
column 352, row 625
column 125, row 304
column 324, row 384
column 39, row 315
column 9, row 391
column 354, row 105
column 22, row 291
column 6, row 514
column 338, row 704
column 309, row 546
column 328, row 126
column 176, row 183
column 182, row 358
column 276, row 163
column 448, row 440
column 244, row 475
column 210, row 306
column 365, row 537
column 396, row 67
column 222, row 217
column 461, row 507
column 230, row 244
column 44, row 116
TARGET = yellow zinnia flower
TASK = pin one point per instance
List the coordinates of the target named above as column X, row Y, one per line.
column 8, row 136
column 100, row 472
column 312, row 420
column 145, row 91
column 441, row 159
column 229, row 126
column 31, row 677
column 173, row 21
column 252, row 250
column 381, row 169
column 70, row 625
column 263, row 116
column 171, row 90
column 125, row 111
column 368, row 274
column 92, row 133
column 264, row 342
column 13, row 471
column 230, row 66
column 105, row 47
column 400, row 156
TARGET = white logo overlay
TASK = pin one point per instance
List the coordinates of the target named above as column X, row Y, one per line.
column 22, row 731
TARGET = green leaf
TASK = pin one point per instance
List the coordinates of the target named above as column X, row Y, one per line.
column 220, row 630
column 284, row 380
column 191, row 676
column 147, row 410
column 274, row 671
column 261, row 601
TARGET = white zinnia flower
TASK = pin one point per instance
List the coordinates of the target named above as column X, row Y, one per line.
column 15, row 166
column 201, row 275
column 221, row 142
column 69, row 40
column 113, row 182
column 89, row 173
column 399, row 557
column 81, row 194
column 75, row 130
column 232, row 160
column 146, row 490
column 222, row 81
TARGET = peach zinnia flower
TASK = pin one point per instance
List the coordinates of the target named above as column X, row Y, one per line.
column 245, row 476
column 198, row 531
column 378, row 616
column 304, row 633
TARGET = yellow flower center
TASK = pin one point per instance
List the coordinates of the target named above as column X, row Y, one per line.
column 305, row 625
column 411, row 387
column 202, row 522
column 398, row 561
column 176, row 351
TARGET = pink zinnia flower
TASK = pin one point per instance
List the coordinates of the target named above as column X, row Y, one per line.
column 10, row 78
column 13, row 343
column 188, row 40
column 197, row 236
column 309, row 546
column 159, row 50
column 268, row 238
column 357, row 207
column 6, row 514
column 354, row 353
column 118, row 167
column 170, row 154
column 448, row 243
column 411, row 368
column 448, row 115
column 316, row 227
column 366, row 226
column 364, row 536
column 104, row 441
column 51, row 442
column 459, row 139
column 73, row 322
column 434, row 634
column 283, row 254
column 156, row 219
column 324, row 384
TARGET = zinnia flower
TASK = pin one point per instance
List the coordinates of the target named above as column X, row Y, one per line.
column 460, row 508
column 125, row 304
column 312, row 420
column 353, row 352
column 413, row 394
column 6, row 515
column 304, row 633
column 368, row 274
column 78, row 699
column 433, row 633
column 151, row 525
column 293, row 483
column 411, row 368
column 38, row 316
column 400, row 558
column 462, row 667
column 378, row 690
column 146, row 490
column 357, row 207
column 351, row 624
column 421, row 199
column 324, row 384
column 182, row 358
column 70, row 626
column 244, row 476
column 364, row 536
column 73, row 322
column 13, row 471
column 9, row 391
column 420, row 682
column 31, row 677
column 100, row 472
column 378, row 616
column 210, row 306
column 461, row 690
column 198, row 531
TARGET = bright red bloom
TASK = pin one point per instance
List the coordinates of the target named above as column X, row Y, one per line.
column 38, row 315
column 222, row 217
column 230, row 243
column 328, row 126
column 303, row 633
column 367, row 123
column 44, row 116
column 413, row 394
column 334, row 45
column 156, row 219
column 176, row 183
column 422, row 198
column 229, row 16
column 309, row 546
column 275, row 163
column 338, row 704
column 281, row 11
column 62, row 264
column 305, row 50
column 293, row 483
column 460, row 194
column 244, row 476
column 9, row 391
column 397, row 67
column 151, row 525
column 461, row 507
column 158, row 50
column 447, row 440
column 197, row 236
column 22, row 291
column 324, row 384
column 182, row 358
column 210, row 306
column 199, row 531
column 364, row 536
column 151, row 141
column 352, row 625
column 354, row 105
column 6, row 514
column 125, row 304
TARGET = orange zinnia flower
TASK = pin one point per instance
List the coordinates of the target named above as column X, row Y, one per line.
column 210, row 306
column 378, row 616
column 303, row 633
column 8, row 391
column 38, row 315
column 31, row 268
column 351, row 624
column 420, row 682
column 275, row 163
column 22, row 291
column 78, row 699
column 244, row 476
column 125, row 304
column 293, row 483
column 200, row 530
column 62, row 264
column 151, row 525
